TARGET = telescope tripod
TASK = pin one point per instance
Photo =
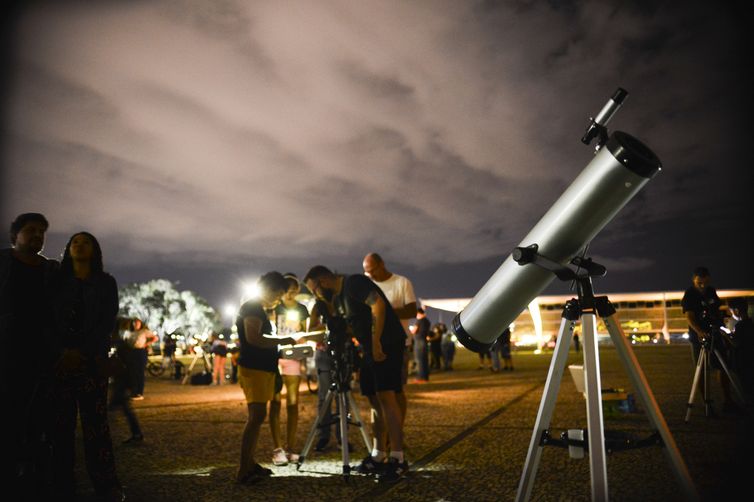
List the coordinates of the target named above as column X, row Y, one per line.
column 347, row 414
column 207, row 365
column 586, row 309
column 707, row 350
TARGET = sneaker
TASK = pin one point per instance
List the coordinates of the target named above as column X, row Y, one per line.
column 393, row 471
column 254, row 476
column 261, row 471
column 279, row 457
column 137, row 397
column 292, row 457
column 370, row 466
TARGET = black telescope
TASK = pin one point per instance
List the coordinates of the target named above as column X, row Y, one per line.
column 620, row 168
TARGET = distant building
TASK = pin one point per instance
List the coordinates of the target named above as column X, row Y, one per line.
column 652, row 317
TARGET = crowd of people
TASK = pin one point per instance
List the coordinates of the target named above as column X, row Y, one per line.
column 71, row 308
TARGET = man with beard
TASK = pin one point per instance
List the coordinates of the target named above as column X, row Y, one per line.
column 378, row 330
column 28, row 348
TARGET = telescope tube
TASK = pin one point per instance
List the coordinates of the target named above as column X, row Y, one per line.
column 616, row 173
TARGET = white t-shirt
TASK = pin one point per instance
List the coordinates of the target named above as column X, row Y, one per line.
column 399, row 292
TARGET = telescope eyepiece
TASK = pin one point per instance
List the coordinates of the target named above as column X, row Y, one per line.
column 619, row 96
column 598, row 125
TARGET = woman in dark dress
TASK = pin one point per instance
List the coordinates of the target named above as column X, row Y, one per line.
column 86, row 306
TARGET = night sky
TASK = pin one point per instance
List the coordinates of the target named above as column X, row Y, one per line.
column 209, row 142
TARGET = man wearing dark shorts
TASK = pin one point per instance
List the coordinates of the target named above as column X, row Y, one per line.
column 382, row 340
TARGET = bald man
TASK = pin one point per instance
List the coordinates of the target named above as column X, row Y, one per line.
column 400, row 293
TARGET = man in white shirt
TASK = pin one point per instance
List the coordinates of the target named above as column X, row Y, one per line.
column 400, row 292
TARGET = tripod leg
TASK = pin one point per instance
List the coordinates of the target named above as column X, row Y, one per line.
column 546, row 408
column 640, row 384
column 357, row 415
column 694, row 386
column 189, row 370
column 594, row 418
column 343, row 403
column 315, row 426
column 705, row 384
column 732, row 377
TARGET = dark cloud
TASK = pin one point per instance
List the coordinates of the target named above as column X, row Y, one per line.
column 379, row 86
column 213, row 138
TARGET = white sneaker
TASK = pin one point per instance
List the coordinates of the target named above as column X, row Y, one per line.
column 279, row 457
column 293, row 458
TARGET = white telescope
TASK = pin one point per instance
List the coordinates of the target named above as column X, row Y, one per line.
column 621, row 166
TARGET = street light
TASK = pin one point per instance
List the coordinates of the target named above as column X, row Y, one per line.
column 230, row 310
column 249, row 290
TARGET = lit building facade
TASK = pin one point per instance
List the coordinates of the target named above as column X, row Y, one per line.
column 653, row 317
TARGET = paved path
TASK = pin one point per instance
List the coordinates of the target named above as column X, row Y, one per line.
column 467, row 433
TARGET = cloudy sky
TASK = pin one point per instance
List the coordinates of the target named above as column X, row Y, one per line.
column 208, row 142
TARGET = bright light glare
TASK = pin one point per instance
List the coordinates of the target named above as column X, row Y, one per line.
column 292, row 315
column 527, row 339
column 250, row 290
column 229, row 309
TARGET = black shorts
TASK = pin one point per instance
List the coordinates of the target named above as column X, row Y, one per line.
column 377, row 377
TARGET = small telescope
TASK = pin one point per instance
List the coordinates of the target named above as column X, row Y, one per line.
column 622, row 165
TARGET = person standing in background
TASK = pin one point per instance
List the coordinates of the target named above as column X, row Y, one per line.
column 120, row 396
column 421, row 349
column 704, row 314
column 505, row 350
column 140, row 338
column 448, row 346
column 435, row 348
column 219, row 351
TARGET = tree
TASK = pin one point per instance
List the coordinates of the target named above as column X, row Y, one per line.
column 166, row 310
